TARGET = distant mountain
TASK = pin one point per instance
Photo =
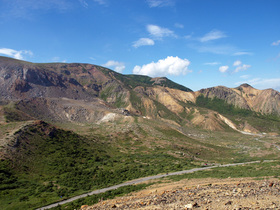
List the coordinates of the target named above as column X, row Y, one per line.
column 40, row 85
column 246, row 97
column 81, row 93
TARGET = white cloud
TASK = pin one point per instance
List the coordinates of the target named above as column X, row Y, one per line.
column 276, row 43
column 168, row 66
column 58, row 59
column 212, row 35
column 26, row 8
column 102, row 2
column 223, row 69
column 237, row 63
column 14, row 53
column 242, row 53
column 245, row 76
column 243, row 67
column 240, row 66
column 179, row 25
column 212, row 63
column 159, row 32
column 118, row 66
column 216, row 49
column 84, row 3
column 143, row 42
column 160, row 3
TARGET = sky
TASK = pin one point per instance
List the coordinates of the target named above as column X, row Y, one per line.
column 196, row 43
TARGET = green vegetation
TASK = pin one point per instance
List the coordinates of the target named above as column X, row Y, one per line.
column 145, row 81
column 251, row 170
column 171, row 84
column 222, row 106
column 137, row 102
column 13, row 115
column 135, row 80
column 163, row 112
column 51, row 164
column 263, row 123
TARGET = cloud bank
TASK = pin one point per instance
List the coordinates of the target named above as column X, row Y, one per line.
column 168, row 66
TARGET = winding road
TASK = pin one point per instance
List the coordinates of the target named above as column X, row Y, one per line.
column 140, row 180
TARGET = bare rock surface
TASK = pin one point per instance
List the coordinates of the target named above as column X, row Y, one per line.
column 237, row 193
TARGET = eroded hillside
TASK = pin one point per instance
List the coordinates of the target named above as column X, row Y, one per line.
column 85, row 93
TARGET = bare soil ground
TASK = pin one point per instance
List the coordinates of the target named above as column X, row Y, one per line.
column 231, row 193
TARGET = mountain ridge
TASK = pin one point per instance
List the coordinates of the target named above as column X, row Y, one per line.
column 85, row 93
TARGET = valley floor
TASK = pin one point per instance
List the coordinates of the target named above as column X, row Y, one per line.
column 209, row 193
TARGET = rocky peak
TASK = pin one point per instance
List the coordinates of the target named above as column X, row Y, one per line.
column 245, row 85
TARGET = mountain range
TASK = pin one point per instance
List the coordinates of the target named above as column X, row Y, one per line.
column 85, row 93
column 68, row 128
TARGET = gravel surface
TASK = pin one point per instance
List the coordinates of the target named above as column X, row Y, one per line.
column 243, row 193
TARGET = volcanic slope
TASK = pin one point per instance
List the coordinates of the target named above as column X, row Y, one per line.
column 66, row 129
column 85, row 93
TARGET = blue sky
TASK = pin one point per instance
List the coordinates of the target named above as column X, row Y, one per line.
column 197, row 43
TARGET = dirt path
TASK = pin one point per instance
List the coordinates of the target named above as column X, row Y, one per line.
column 275, row 145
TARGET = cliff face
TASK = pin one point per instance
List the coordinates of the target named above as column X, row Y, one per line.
column 22, row 80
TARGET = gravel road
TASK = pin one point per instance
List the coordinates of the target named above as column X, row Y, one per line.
column 140, row 180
